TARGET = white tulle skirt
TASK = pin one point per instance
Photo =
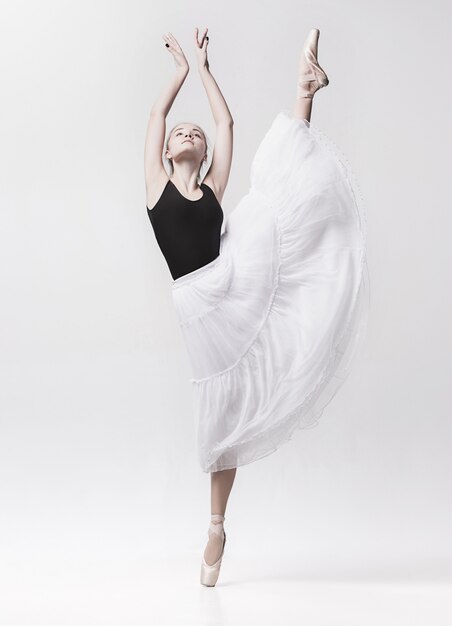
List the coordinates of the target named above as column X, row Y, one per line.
column 272, row 324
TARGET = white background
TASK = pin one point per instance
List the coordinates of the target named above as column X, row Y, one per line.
column 104, row 508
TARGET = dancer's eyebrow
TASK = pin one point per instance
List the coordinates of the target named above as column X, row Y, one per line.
column 183, row 129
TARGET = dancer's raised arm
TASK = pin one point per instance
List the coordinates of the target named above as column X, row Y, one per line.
column 155, row 133
column 218, row 173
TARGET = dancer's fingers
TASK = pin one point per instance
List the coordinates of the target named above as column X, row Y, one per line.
column 200, row 43
column 169, row 43
column 173, row 40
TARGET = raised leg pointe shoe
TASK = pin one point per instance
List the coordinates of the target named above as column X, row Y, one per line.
column 210, row 573
column 311, row 77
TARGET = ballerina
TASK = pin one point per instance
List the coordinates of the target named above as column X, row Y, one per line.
column 273, row 309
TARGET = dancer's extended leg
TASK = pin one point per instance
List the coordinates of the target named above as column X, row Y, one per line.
column 311, row 77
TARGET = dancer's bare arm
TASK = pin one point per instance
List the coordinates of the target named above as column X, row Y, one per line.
column 154, row 171
column 218, row 174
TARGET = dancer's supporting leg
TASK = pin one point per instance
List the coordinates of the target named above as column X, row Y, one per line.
column 221, row 484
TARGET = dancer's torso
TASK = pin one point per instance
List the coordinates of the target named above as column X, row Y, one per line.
column 187, row 231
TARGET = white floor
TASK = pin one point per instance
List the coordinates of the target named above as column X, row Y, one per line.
column 153, row 592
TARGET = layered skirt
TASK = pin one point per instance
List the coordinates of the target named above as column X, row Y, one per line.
column 273, row 324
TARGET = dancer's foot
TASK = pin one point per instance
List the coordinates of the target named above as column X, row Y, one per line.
column 213, row 555
column 215, row 544
column 311, row 77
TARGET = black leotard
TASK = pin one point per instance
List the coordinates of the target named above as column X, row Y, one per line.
column 187, row 231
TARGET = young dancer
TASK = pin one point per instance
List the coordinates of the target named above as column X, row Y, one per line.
column 273, row 309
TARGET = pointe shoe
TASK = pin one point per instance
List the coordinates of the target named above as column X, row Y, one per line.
column 310, row 82
column 210, row 573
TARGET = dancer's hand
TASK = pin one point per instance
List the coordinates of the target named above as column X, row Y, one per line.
column 175, row 49
column 201, row 49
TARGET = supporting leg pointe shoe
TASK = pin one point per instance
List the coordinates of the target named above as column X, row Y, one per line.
column 311, row 76
column 210, row 573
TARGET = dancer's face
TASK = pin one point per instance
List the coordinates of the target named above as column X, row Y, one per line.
column 187, row 141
